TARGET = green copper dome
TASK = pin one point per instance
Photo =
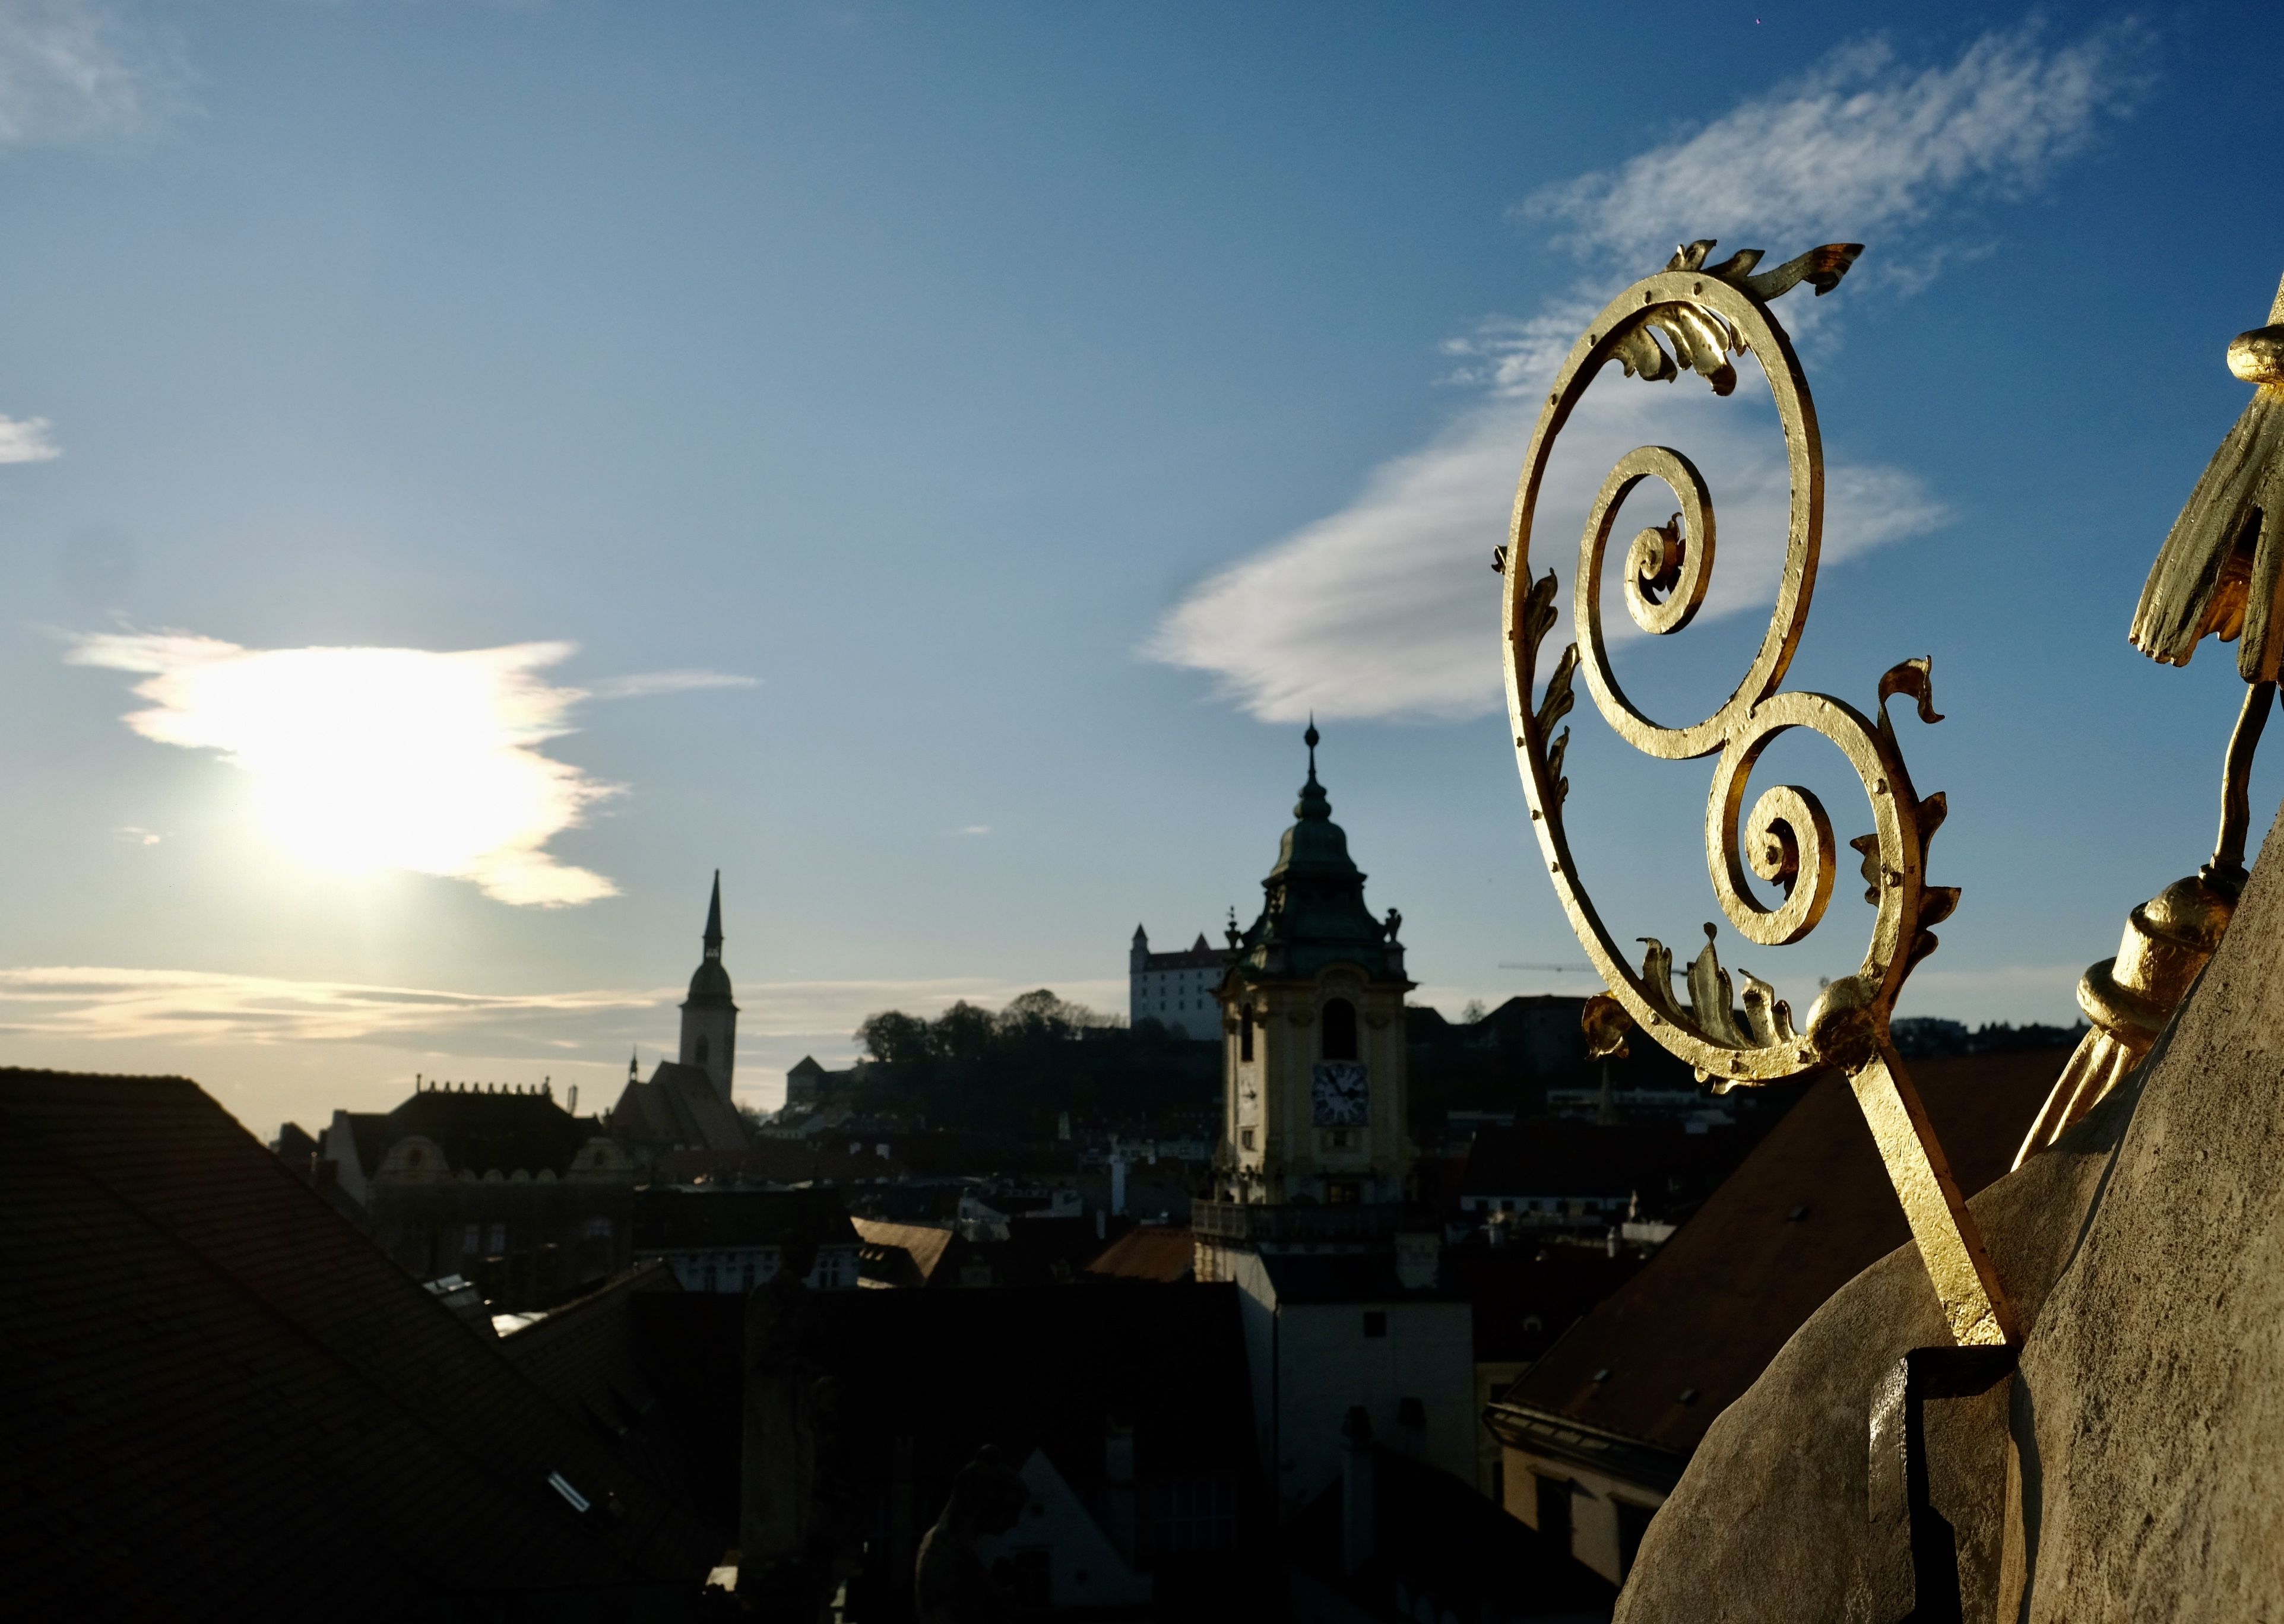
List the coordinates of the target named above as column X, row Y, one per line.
column 1314, row 913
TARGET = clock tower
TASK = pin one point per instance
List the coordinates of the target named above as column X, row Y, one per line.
column 1349, row 1313
column 1312, row 1034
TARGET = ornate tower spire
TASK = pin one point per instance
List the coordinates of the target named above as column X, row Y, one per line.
column 709, row 1015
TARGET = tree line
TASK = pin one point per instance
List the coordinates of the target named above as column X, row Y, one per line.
column 1014, row 1070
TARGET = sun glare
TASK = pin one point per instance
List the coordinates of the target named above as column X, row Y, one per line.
column 370, row 758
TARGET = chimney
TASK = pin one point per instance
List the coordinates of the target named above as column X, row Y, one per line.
column 1356, row 1490
column 1118, row 1484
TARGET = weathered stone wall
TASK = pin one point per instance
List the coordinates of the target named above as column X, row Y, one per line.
column 2134, row 1468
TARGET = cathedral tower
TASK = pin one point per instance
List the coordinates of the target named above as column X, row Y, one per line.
column 710, row 1018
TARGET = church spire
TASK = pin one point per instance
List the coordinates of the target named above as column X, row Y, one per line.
column 714, row 920
column 1314, row 805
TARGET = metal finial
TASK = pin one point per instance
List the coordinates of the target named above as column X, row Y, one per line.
column 1310, row 739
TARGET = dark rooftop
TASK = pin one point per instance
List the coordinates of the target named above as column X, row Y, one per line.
column 480, row 1130
column 1811, row 1208
column 673, row 1220
column 232, row 1404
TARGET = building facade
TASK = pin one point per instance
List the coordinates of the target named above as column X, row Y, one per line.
column 458, row 1176
column 1176, row 989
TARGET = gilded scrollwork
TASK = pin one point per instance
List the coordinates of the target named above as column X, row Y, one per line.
column 1693, row 317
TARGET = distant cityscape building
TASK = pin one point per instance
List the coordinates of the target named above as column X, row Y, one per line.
column 732, row 1240
column 1176, row 989
column 457, row 1175
column 1314, row 1058
column 1312, row 1215
column 709, row 1015
column 687, row 1105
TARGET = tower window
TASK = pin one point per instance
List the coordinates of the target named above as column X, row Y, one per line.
column 700, row 1051
column 1339, row 1029
column 1245, row 1034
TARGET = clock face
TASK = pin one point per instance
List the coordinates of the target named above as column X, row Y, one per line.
column 1341, row 1094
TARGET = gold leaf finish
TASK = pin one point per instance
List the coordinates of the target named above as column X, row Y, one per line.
column 1691, row 318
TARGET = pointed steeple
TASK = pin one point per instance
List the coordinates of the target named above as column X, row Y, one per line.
column 711, row 983
column 634, row 1063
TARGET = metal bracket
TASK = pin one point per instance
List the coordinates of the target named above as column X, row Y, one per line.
column 1911, row 1557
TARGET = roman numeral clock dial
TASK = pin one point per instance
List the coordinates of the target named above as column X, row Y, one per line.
column 1341, row 1094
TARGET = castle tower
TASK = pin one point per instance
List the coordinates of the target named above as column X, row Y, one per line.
column 1312, row 1016
column 710, row 1018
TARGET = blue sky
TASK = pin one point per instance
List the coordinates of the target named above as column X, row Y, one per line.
column 924, row 461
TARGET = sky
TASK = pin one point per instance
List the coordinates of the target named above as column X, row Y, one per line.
column 470, row 471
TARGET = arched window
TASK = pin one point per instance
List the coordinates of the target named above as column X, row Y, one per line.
column 1245, row 1035
column 1339, row 1029
column 700, row 1051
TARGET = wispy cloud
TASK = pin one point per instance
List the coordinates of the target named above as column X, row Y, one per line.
column 1862, row 144
column 1387, row 607
column 26, row 439
column 971, row 829
column 201, row 1007
column 79, row 70
column 208, row 1008
column 388, row 758
column 646, row 684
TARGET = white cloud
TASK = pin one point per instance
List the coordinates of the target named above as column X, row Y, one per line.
column 25, row 439
column 206, row 1008
column 369, row 759
column 1858, row 147
column 1387, row 607
column 971, row 829
column 645, row 685
column 76, row 70
column 209, row 1008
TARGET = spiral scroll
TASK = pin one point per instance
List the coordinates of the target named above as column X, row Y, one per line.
column 1782, row 836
